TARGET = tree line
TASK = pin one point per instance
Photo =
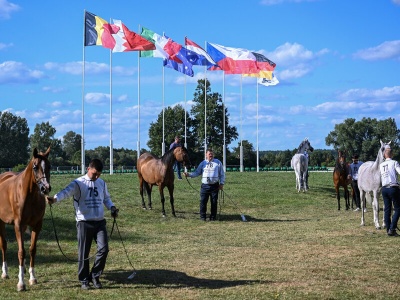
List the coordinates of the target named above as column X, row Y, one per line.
column 361, row 137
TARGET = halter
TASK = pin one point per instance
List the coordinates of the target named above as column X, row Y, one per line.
column 38, row 179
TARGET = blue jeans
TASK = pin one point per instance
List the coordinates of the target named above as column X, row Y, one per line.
column 391, row 196
column 209, row 191
column 178, row 167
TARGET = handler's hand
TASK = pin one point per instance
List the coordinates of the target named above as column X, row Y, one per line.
column 186, row 174
column 221, row 187
column 50, row 200
column 114, row 212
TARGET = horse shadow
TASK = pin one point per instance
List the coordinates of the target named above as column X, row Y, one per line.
column 156, row 278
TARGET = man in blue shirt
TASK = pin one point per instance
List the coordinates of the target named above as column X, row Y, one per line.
column 213, row 179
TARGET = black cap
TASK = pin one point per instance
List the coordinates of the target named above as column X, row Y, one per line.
column 355, row 156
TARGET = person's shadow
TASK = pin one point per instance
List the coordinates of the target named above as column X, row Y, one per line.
column 173, row 279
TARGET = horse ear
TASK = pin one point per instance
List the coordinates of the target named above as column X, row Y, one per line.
column 35, row 153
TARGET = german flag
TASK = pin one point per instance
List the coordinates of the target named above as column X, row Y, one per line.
column 264, row 65
column 97, row 31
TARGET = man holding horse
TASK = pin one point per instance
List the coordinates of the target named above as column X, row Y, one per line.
column 353, row 175
column 390, row 190
column 177, row 166
column 213, row 179
column 90, row 193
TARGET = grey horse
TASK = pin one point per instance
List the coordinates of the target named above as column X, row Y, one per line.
column 369, row 182
column 299, row 163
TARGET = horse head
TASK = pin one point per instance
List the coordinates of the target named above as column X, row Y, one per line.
column 341, row 157
column 182, row 155
column 305, row 146
column 41, row 170
column 382, row 149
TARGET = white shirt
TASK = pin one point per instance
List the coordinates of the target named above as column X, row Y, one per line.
column 388, row 170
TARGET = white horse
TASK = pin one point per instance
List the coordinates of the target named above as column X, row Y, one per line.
column 369, row 181
column 299, row 163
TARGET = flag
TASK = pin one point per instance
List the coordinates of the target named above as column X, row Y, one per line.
column 268, row 82
column 126, row 40
column 97, row 32
column 264, row 65
column 158, row 40
column 232, row 60
column 178, row 67
column 197, row 55
column 178, row 53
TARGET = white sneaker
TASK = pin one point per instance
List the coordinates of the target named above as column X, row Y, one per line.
column 357, row 209
column 365, row 210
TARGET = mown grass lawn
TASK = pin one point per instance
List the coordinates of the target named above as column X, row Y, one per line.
column 293, row 246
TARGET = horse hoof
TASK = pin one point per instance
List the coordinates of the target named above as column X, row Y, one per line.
column 5, row 276
column 21, row 287
column 32, row 281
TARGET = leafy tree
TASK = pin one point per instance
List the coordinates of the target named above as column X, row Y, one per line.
column 363, row 137
column 214, row 116
column 249, row 154
column 14, row 140
column 71, row 144
column 174, row 124
column 43, row 137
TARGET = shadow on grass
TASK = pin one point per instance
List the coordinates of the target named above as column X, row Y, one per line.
column 174, row 279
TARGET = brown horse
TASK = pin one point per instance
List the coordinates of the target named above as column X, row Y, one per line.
column 22, row 204
column 159, row 171
column 340, row 174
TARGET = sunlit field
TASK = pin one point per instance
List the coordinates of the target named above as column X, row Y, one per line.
column 292, row 245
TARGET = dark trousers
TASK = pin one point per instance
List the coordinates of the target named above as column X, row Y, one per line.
column 88, row 231
column 209, row 191
column 391, row 196
column 178, row 168
column 354, row 185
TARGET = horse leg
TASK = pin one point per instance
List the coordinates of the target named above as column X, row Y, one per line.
column 347, row 197
column 161, row 189
column 375, row 206
column 171, row 198
column 362, row 200
column 149, row 188
column 3, row 246
column 141, row 192
column 32, row 252
column 337, row 196
column 19, row 231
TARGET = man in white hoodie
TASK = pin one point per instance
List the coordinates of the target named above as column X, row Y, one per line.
column 89, row 193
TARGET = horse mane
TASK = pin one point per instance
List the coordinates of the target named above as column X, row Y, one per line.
column 301, row 145
column 167, row 155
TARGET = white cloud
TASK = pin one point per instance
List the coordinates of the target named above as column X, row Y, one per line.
column 97, row 98
column 5, row 46
column 275, row 2
column 386, row 50
column 16, row 72
column 384, row 94
column 6, row 8
column 397, row 2
column 91, row 68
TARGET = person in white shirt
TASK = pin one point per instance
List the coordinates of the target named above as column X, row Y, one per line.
column 353, row 175
column 390, row 191
column 89, row 193
column 213, row 179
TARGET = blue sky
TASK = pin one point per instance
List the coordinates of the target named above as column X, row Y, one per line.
column 336, row 59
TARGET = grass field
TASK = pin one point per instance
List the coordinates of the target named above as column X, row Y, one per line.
column 293, row 246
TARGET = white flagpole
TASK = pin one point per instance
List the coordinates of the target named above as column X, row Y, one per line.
column 241, row 131
column 258, row 154
column 111, row 141
column 163, row 111
column 223, row 120
column 205, row 114
column 83, row 99
column 138, row 108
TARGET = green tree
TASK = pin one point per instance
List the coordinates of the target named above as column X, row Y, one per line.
column 71, row 144
column 174, row 124
column 14, row 140
column 363, row 137
column 43, row 137
column 249, row 154
column 214, row 120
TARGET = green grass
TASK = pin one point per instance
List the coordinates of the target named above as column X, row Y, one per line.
column 293, row 246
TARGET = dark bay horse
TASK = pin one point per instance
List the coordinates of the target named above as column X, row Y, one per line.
column 340, row 174
column 22, row 204
column 159, row 171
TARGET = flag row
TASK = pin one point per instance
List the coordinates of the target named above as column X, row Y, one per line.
column 117, row 37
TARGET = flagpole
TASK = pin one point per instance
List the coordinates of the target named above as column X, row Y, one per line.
column 163, row 111
column 241, row 131
column 111, row 141
column 258, row 154
column 83, row 99
column 138, row 108
column 223, row 120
